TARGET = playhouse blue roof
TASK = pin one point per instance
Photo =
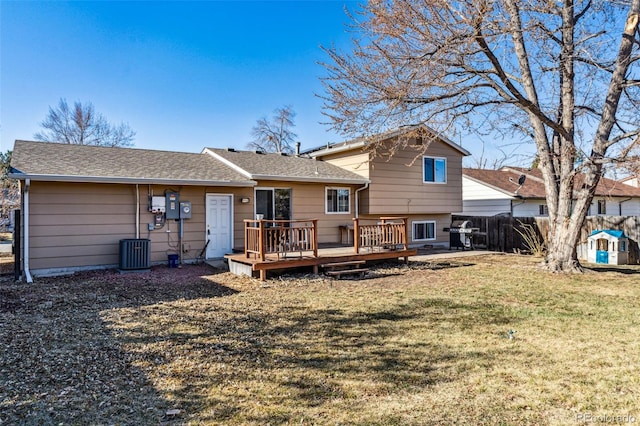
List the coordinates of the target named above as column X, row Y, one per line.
column 613, row 233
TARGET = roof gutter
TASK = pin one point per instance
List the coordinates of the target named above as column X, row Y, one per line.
column 310, row 179
column 337, row 149
column 25, row 227
column 142, row 181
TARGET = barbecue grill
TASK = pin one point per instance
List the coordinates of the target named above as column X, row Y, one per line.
column 461, row 234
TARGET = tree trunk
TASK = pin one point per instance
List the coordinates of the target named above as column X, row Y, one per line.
column 561, row 251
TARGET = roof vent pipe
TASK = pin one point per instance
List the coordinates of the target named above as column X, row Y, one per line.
column 297, row 149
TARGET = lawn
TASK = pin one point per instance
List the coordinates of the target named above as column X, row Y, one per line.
column 493, row 340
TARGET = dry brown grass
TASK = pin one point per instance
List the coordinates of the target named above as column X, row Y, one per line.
column 407, row 346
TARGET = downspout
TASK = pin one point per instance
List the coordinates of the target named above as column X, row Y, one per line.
column 137, row 211
column 25, row 227
column 620, row 205
column 366, row 185
column 514, row 205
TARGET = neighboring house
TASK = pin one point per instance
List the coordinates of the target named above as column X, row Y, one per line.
column 418, row 181
column 520, row 192
column 631, row 181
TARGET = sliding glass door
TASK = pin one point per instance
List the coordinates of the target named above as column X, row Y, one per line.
column 274, row 203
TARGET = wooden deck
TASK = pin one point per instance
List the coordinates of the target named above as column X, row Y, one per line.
column 287, row 244
column 294, row 260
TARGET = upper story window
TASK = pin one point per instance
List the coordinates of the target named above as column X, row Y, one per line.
column 434, row 169
column 602, row 206
column 338, row 200
column 543, row 210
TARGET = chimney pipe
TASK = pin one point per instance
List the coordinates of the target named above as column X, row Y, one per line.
column 297, row 149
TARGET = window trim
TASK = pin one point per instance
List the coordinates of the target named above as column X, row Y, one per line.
column 413, row 230
column 424, row 177
column 326, row 199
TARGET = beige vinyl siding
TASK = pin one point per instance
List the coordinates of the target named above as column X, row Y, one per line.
column 397, row 185
column 355, row 161
column 80, row 225
column 308, row 202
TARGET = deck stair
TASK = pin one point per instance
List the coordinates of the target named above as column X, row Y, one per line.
column 338, row 269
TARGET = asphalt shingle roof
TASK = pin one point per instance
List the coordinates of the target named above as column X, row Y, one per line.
column 286, row 167
column 363, row 141
column 534, row 185
column 43, row 160
column 507, row 181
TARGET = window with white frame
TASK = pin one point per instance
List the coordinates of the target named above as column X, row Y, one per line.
column 338, row 200
column 424, row 230
column 543, row 209
column 602, row 206
column 434, row 170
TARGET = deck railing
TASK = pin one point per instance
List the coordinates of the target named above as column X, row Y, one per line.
column 387, row 233
column 279, row 237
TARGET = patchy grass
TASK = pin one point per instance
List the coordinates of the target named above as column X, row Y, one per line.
column 428, row 344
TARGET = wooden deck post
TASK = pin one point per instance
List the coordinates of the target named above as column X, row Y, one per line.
column 315, row 238
column 261, row 239
column 405, row 239
column 356, row 235
column 246, row 239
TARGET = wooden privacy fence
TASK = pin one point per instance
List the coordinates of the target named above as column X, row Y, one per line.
column 499, row 233
column 263, row 237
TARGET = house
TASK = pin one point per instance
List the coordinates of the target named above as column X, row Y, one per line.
column 411, row 173
column 81, row 202
column 520, row 192
column 631, row 180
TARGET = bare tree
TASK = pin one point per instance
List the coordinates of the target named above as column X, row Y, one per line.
column 564, row 74
column 10, row 197
column 275, row 135
column 81, row 125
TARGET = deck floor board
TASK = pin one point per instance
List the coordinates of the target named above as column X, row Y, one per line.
column 325, row 255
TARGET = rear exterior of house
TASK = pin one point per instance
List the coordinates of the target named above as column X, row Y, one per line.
column 75, row 225
column 80, row 202
column 420, row 182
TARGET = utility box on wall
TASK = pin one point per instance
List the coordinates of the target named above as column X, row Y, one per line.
column 158, row 204
column 185, row 210
column 172, row 205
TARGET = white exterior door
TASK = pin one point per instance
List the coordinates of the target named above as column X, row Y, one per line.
column 219, row 225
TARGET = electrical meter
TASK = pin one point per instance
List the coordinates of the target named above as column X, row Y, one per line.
column 185, row 210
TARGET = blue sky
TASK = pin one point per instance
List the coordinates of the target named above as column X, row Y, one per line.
column 184, row 75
